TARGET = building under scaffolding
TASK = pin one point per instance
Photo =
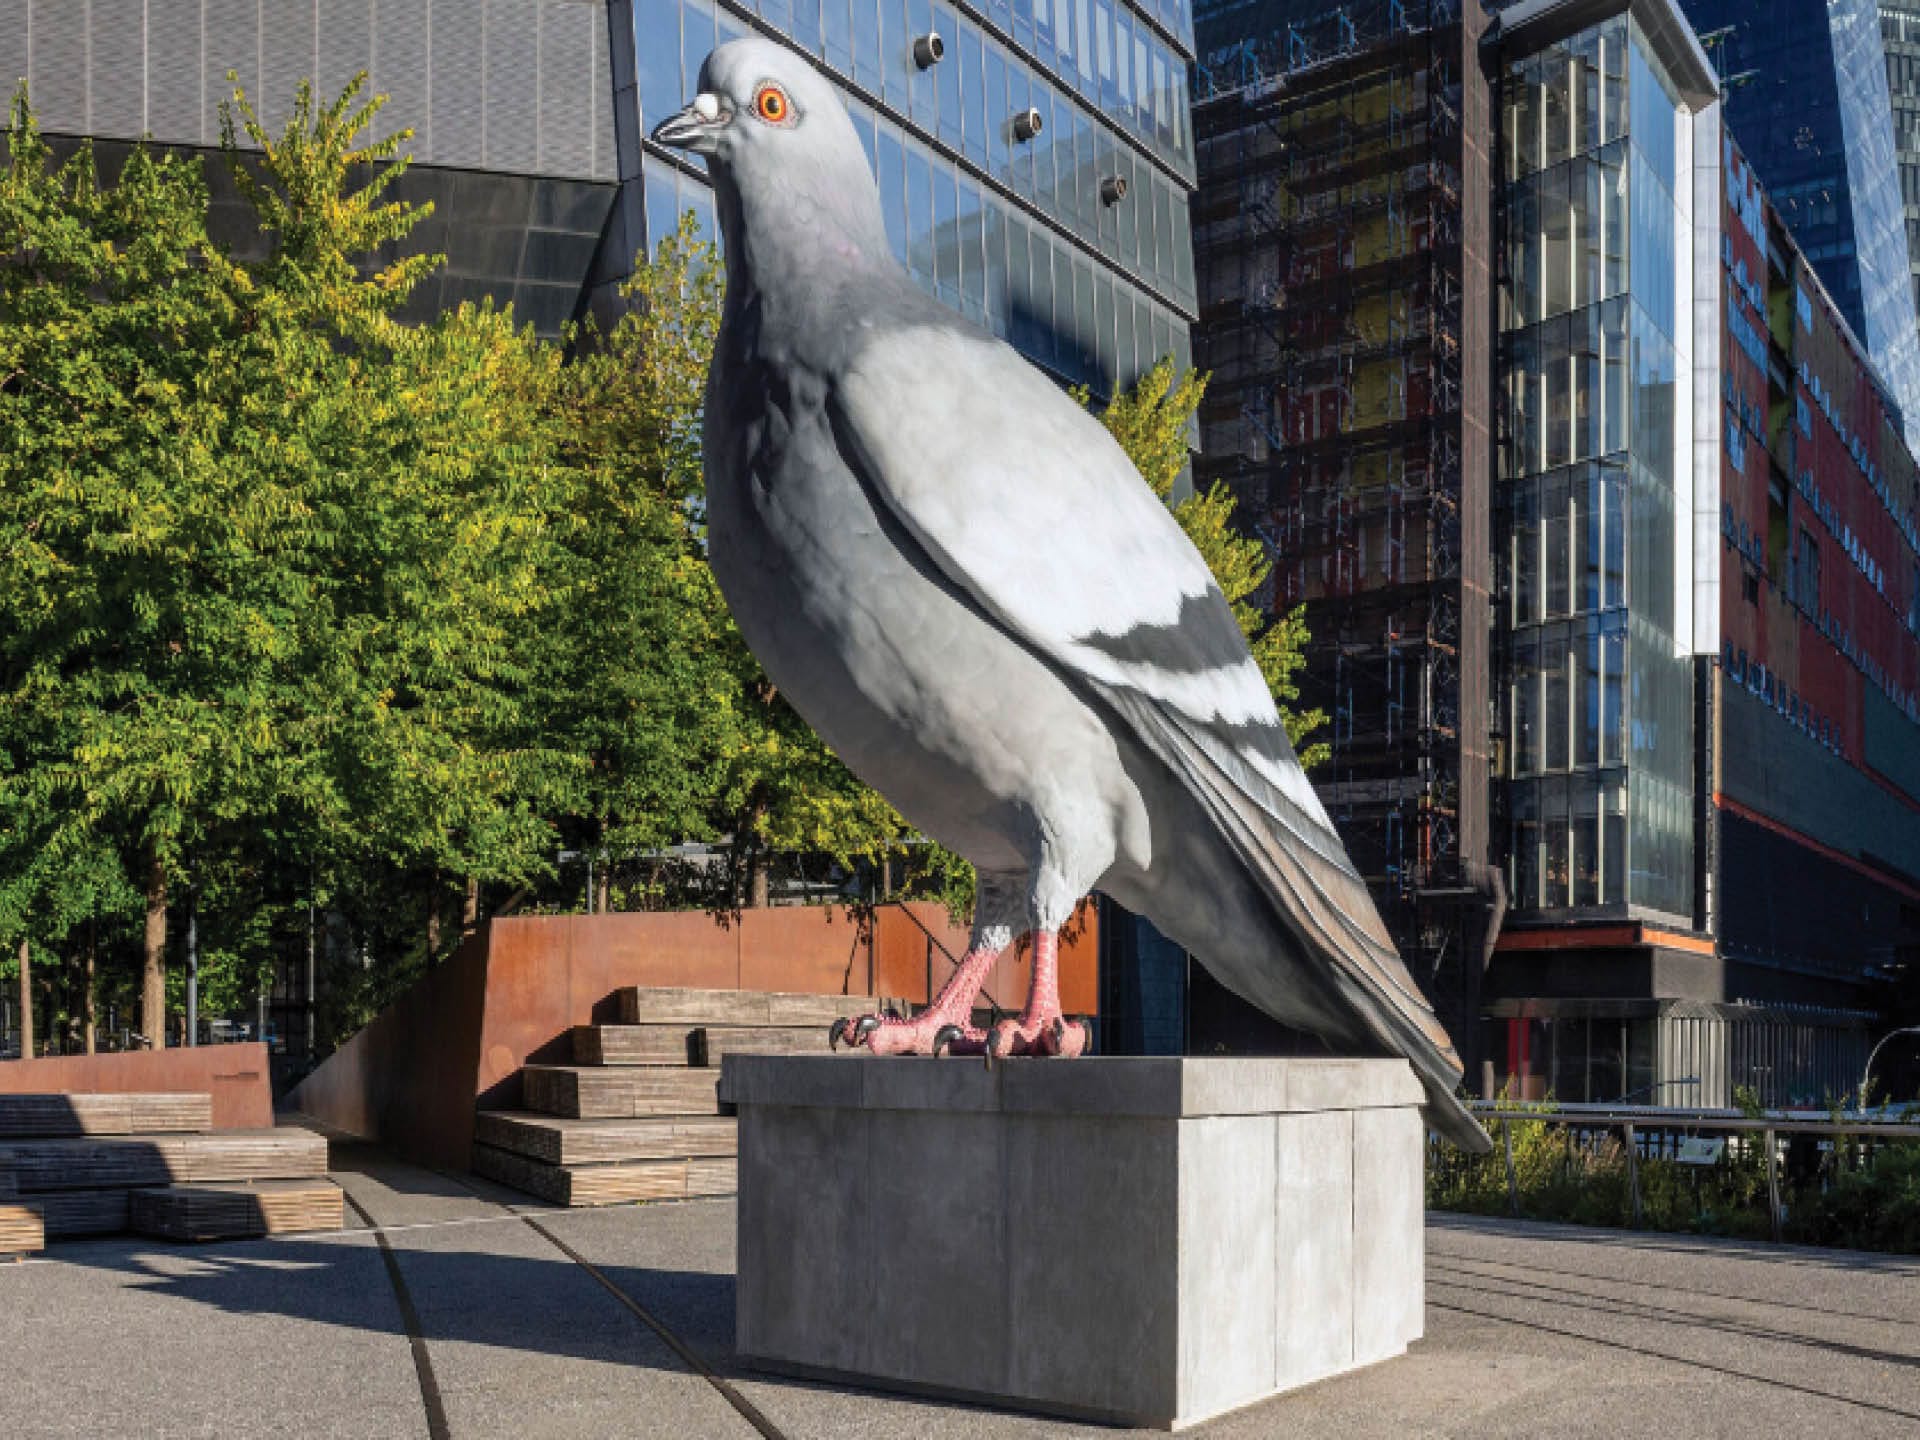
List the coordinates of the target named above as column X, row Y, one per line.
column 1342, row 249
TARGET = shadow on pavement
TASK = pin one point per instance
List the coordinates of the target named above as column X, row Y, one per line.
column 463, row 1295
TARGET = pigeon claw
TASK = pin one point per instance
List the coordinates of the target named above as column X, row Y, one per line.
column 944, row 1038
column 853, row 1032
column 1069, row 1038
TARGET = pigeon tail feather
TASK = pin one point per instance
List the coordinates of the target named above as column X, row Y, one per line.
column 1325, row 909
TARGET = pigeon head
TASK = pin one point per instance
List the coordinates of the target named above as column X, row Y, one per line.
column 788, row 167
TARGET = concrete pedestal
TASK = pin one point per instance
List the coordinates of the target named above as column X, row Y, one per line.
column 1139, row 1241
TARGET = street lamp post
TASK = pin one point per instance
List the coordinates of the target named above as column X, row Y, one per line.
column 1871, row 1054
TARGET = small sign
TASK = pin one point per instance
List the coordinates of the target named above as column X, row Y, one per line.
column 1698, row 1150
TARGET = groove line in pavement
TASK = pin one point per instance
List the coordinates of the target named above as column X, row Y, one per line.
column 1692, row 1293
column 437, row 1428
column 747, row 1409
column 1535, row 1323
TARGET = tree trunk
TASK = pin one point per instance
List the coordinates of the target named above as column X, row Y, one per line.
column 433, row 918
column 759, row 878
column 600, row 887
column 89, row 1015
column 26, row 1000
column 470, row 912
column 153, row 975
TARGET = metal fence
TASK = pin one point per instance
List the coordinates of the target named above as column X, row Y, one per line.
column 1574, row 1161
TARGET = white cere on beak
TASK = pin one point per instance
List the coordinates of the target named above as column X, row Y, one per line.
column 707, row 107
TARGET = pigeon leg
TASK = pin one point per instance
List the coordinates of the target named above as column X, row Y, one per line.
column 1041, row 1028
column 944, row 1027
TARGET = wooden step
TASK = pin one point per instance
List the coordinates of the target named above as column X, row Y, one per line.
column 653, row 1005
column 616, row 1184
column 130, row 1162
column 22, row 1230
column 237, row 1211
column 711, row 1043
column 559, row 1141
column 589, row 1093
column 70, row 1214
column 56, row 1116
column 632, row 1045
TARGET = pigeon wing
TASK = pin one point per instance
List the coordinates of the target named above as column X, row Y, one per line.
column 1029, row 505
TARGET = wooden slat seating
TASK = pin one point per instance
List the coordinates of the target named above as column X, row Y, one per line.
column 84, row 1164
column 234, row 1210
column 52, row 1116
column 22, row 1229
column 127, row 1162
column 637, row 1116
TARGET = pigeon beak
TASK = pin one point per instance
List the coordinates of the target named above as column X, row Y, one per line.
column 695, row 127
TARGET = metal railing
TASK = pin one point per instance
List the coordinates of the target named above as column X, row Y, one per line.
column 1815, row 1150
column 984, row 1000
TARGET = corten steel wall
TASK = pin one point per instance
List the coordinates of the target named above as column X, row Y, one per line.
column 235, row 1075
column 513, row 993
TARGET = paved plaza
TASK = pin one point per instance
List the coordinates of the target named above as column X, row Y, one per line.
column 469, row 1313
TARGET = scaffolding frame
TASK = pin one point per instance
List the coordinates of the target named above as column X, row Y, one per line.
column 1329, row 241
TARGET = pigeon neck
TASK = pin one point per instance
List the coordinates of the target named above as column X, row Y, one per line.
column 806, row 243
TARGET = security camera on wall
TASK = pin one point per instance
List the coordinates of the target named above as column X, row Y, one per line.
column 928, row 49
column 1027, row 124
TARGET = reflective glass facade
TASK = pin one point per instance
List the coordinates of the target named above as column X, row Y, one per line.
column 1807, row 101
column 1593, row 480
column 1015, row 233
column 1900, row 38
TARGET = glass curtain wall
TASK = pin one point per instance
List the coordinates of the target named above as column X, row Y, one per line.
column 1014, row 233
column 1598, row 712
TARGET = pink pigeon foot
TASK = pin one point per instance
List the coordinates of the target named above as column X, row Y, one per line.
column 1041, row 1029
column 943, row 1028
column 932, row 1032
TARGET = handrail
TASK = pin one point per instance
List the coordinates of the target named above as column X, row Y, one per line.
column 1638, row 1125
column 1604, row 1117
column 933, row 942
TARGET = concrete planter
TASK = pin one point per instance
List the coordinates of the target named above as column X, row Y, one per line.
column 1138, row 1241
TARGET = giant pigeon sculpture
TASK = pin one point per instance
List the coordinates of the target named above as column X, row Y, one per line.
column 957, row 577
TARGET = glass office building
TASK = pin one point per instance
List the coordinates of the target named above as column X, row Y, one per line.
column 1807, row 99
column 1900, row 39
column 1065, row 233
column 1594, row 524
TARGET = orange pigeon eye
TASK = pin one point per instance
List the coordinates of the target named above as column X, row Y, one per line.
column 771, row 103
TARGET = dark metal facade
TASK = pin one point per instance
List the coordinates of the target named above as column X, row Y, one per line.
column 1342, row 249
column 510, row 103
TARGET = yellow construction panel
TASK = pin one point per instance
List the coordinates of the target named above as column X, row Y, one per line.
column 1379, row 392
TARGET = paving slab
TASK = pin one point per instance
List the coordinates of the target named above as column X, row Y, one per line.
column 1532, row 1330
column 134, row 1337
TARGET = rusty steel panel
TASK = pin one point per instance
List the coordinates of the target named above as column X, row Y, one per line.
column 513, row 993
column 234, row 1075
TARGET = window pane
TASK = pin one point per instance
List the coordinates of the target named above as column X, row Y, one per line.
column 867, row 57
column 994, row 109
column 806, row 24
column 919, row 216
column 1557, row 701
column 948, row 78
column 946, row 244
column 893, row 191
column 1586, row 845
column 836, row 20
column 998, row 300
column 971, row 60
column 657, row 39
column 1588, row 704
column 1525, row 870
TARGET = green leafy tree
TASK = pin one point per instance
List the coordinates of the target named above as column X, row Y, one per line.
column 270, row 559
column 1152, row 421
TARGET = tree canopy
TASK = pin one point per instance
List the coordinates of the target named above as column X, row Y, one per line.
column 320, row 626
